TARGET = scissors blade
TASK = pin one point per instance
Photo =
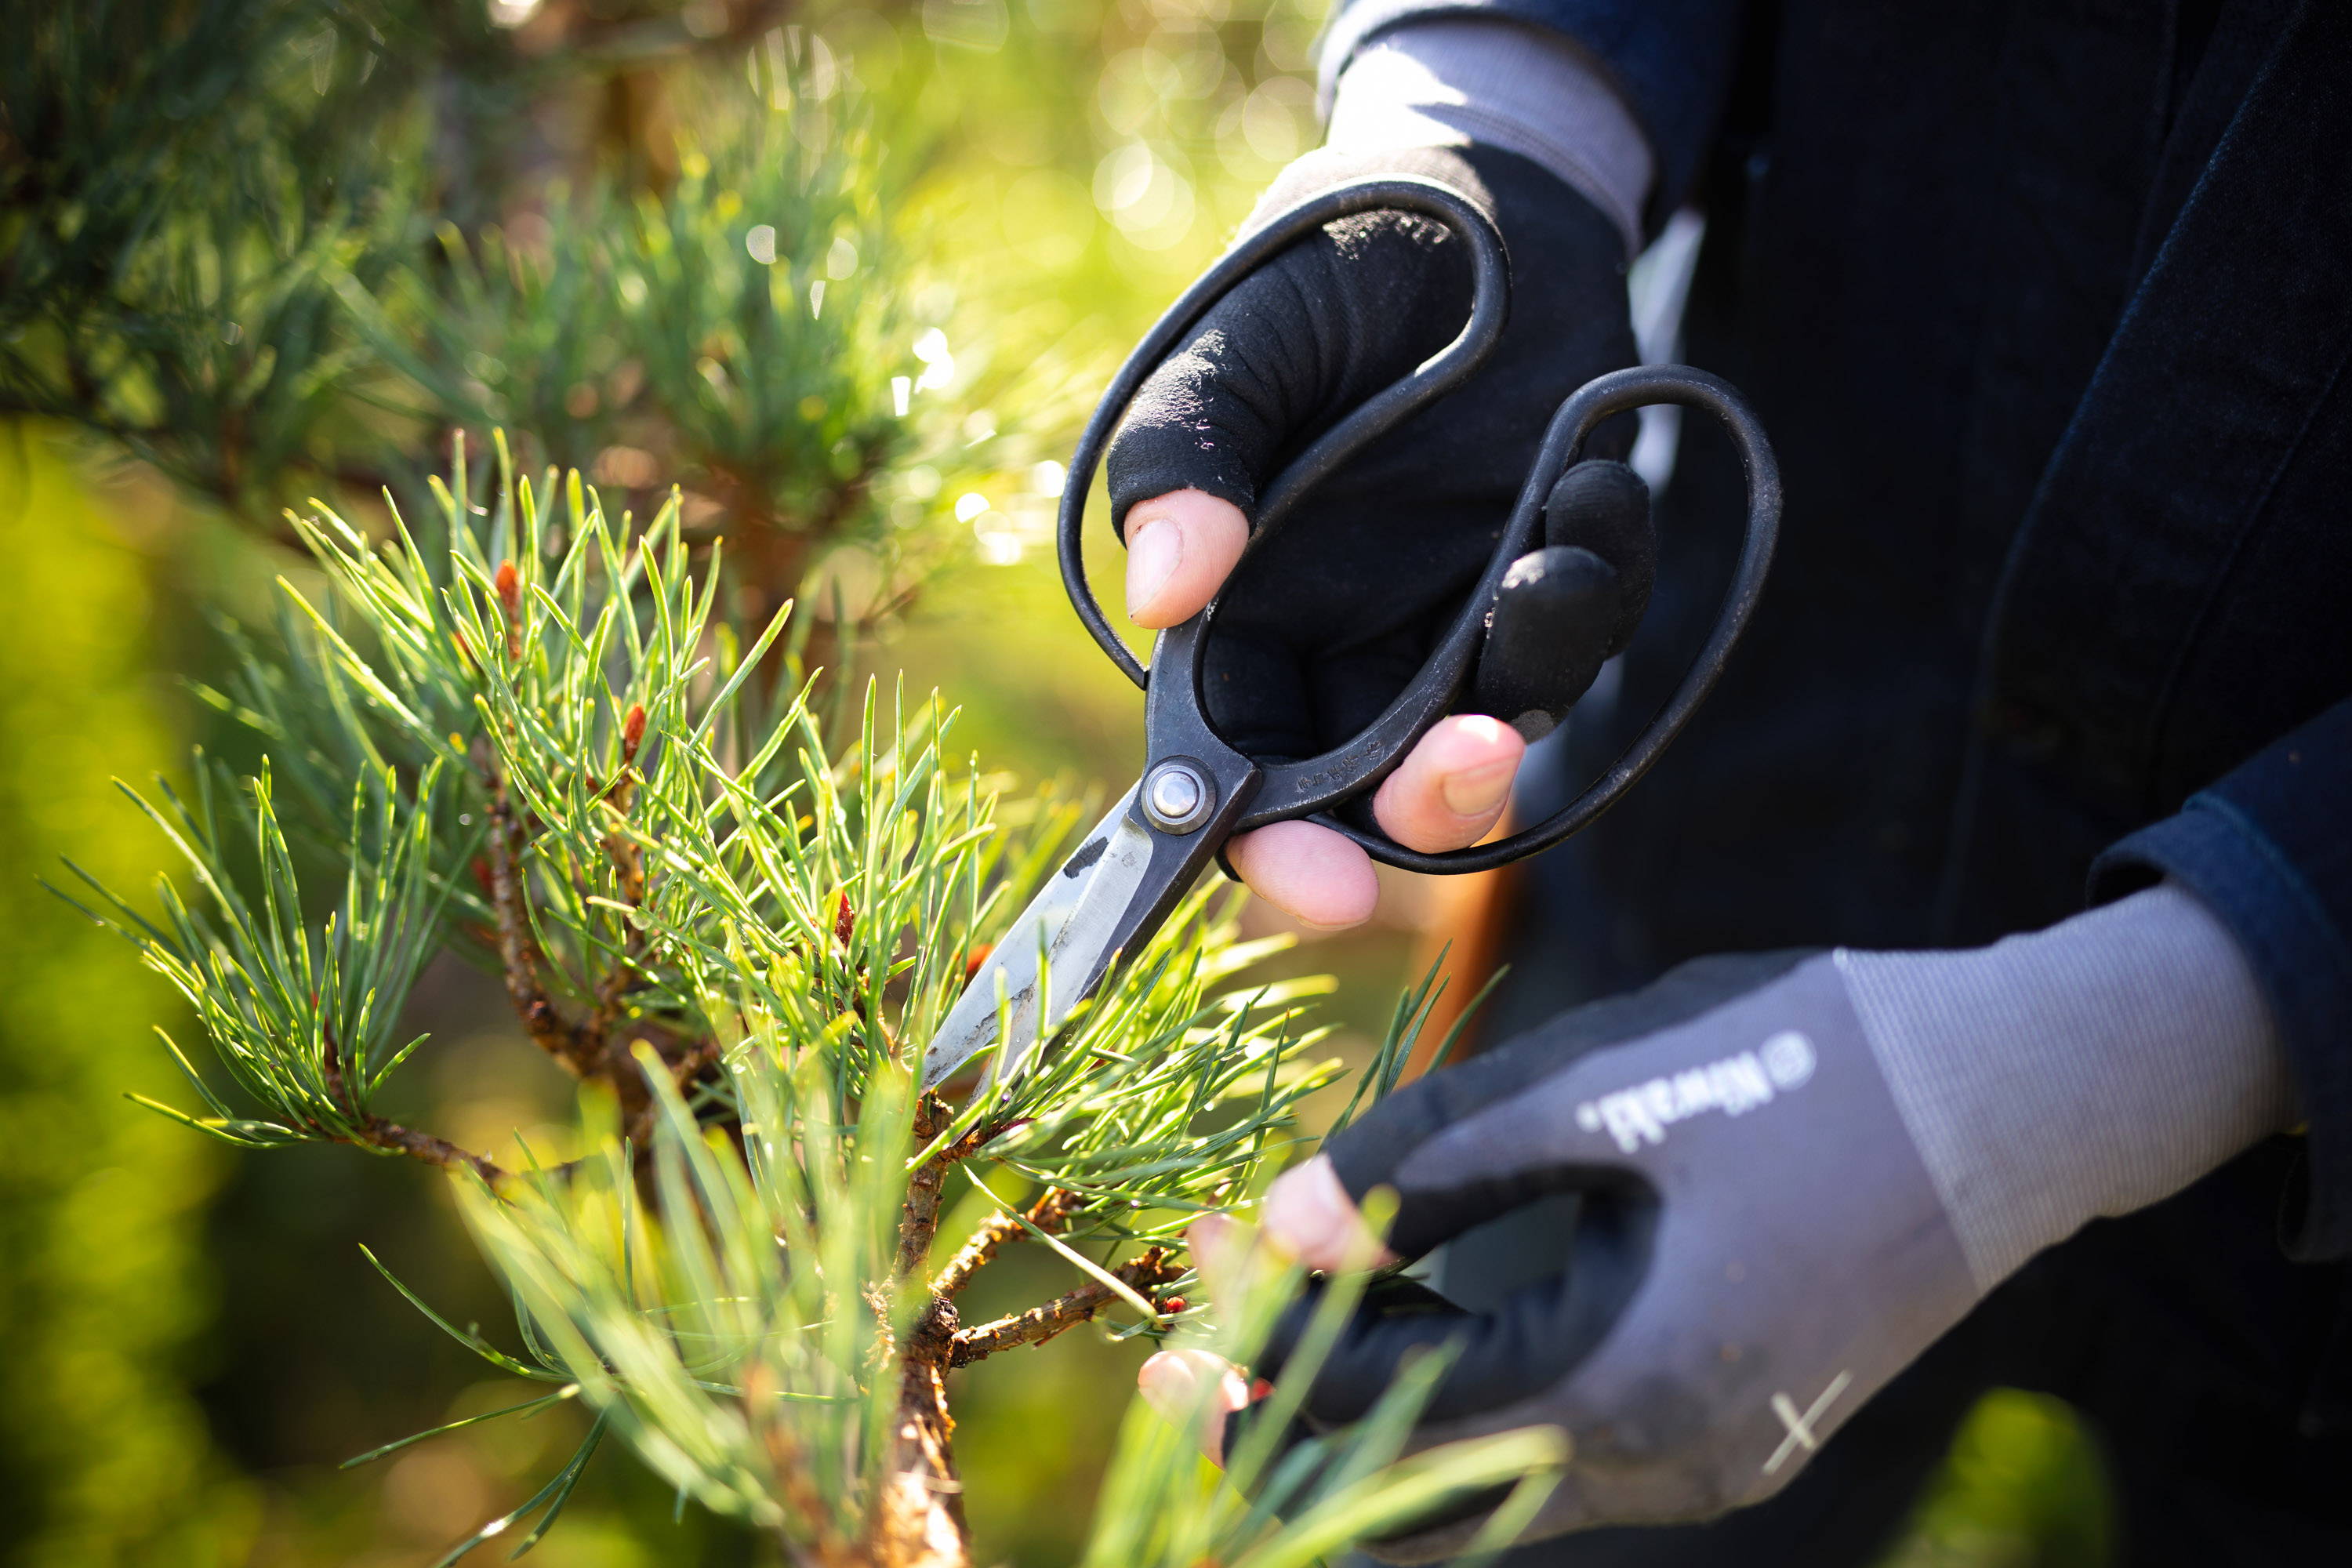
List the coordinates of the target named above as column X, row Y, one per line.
column 1096, row 899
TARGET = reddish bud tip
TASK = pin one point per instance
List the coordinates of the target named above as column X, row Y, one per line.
column 633, row 732
column 975, row 958
column 509, row 586
column 1172, row 1306
column 844, row 921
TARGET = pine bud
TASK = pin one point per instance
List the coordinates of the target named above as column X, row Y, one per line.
column 845, row 921
column 633, row 732
column 974, row 958
column 508, row 582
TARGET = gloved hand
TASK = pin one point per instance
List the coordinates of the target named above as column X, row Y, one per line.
column 1329, row 622
column 1795, row 1172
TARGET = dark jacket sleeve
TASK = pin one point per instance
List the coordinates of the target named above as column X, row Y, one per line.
column 2269, row 850
column 1671, row 59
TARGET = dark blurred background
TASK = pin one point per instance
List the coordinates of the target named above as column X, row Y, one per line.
column 256, row 252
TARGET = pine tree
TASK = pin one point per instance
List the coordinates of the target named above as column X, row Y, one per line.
column 285, row 249
column 279, row 250
column 524, row 734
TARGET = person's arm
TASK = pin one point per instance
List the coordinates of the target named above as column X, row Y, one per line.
column 2268, row 850
column 1533, row 126
column 1454, row 82
column 1797, row 1171
column 1338, row 610
column 1668, row 61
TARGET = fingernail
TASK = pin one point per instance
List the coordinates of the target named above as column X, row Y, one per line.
column 1153, row 554
column 1474, row 792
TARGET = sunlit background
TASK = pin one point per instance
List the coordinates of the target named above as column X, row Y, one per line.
column 193, row 1340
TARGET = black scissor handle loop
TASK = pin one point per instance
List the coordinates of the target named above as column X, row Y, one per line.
column 1375, row 417
column 1563, row 444
column 1283, row 790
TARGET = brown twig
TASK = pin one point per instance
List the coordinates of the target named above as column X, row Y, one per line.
column 1155, row 1267
column 629, row 869
column 519, row 956
column 1049, row 1214
column 596, row 1049
column 373, row 1132
column 393, row 1137
column 919, row 1221
column 919, row 1217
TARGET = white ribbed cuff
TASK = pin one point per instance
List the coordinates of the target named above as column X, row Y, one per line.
column 2092, row 1068
column 1448, row 83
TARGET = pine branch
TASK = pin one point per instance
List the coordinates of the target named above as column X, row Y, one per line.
column 629, row 866
column 1155, row 1267
column 919, row 1217
column 393, row 1137
column 717, row 873
column 1049, row 1214
column 368, row 1131
column 919, row 1220
column 519, row 954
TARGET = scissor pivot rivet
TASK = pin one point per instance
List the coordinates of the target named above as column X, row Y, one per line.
column 1177, row 797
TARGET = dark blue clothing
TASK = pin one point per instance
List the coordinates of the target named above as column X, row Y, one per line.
column 2047, row 305
column 1670, row 59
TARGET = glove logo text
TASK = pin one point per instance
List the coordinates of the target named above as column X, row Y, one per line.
column 1734, row 1086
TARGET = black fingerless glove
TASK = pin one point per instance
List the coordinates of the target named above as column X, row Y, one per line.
column 1323, row 626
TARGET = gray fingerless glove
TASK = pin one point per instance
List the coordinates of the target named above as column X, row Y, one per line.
column 1795, row 1172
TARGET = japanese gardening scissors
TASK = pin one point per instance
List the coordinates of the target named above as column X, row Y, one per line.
column 1196, row 792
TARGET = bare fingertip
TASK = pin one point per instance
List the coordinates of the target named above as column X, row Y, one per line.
column 1310, row 1212
column 1182, row 547
column 1313, row 875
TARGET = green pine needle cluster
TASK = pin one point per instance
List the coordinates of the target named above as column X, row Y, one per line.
column 528, row 733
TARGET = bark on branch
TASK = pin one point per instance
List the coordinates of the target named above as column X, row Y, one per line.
column 519, row 954
column 392, row 1137
column 917, row 1521
column 595, row 1049
column 1158, row 1267
column 1049, row 1214
column 919, row 1220
column 373, row 1132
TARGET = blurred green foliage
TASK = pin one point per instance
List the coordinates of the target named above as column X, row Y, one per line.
column 285, row 248
column 102, row 1447
column 2024, row 1486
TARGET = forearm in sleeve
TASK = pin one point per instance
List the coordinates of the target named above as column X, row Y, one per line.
column 2267, row 849
column 2088, row 1070
column 1669, row 62
column 1451, row 82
